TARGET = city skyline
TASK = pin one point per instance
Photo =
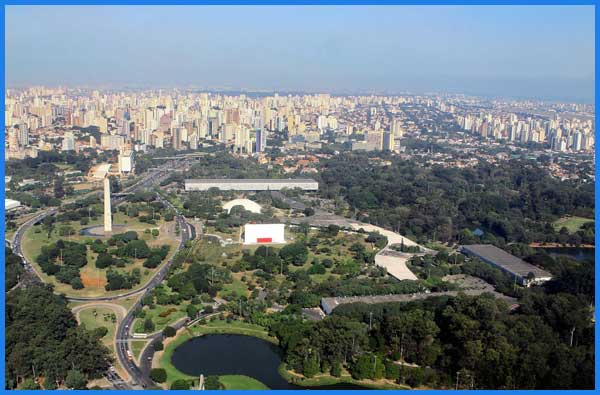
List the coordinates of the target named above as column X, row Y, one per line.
column 521, row 52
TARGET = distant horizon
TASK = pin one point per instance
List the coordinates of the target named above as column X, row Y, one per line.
column 537, row 52
column 257, row 91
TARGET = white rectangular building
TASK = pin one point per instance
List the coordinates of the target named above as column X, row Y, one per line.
column 264, row 233
column 126, row 164
column 10, row 204
column 251, row 184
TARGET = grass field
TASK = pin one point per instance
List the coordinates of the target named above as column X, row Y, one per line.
column 165, row 359
column 137, row 347
column 159, row 322
column 101, row 318
column 127, row 302
column 239, row 382
column 237, row 286
column 233, row 327
column 94, row 279
column 573, row 224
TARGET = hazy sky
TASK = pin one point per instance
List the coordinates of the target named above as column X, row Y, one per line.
column 525, row 51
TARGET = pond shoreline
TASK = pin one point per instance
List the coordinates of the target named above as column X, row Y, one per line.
column 323, row 383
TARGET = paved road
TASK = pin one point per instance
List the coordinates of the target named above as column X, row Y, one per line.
column 138, row 379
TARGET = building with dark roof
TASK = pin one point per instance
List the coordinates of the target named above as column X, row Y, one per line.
column 525, row 273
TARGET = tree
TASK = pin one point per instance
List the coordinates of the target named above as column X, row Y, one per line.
column 192, row 311
column 76, row 283
column 29, row 384
column 104, row 260
column 148, row 325
column 155, row 233
column 158, row 345
column 295, row 253
column 180, row 385
column 336, row 368
column 309, row 211
column 310, row 366
column 75, row 380
column 212, row 383
column 66, row 230
column 169, row 331
column 100, row 332
column 158, row 374
column 42, row 334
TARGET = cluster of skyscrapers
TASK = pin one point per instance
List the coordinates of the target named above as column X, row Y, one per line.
column 559, row 134
column 41, row 118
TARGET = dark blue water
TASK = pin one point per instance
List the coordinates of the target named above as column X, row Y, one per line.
column 238, row 354
column 579, row 254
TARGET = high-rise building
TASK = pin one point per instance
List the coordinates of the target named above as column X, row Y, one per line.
column 375, row 139
column 261, row 140
column 23, row 135
column 388, row 141
column 176, row 138
column 396, row 128
column 68, row 142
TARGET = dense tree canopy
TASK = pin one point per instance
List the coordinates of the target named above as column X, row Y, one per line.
column 43, row 339
column 513, row 202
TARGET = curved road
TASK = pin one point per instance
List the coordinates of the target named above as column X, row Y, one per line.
column 188, row 232
column 138, row 378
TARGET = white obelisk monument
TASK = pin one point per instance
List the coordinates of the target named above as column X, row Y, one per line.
column 107, row 208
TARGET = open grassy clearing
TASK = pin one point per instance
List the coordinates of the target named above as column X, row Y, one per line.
column 239, row 382
column 137, row 346
column 94, row 279
column 95, row 317
column 159, row 322
column 573, row 224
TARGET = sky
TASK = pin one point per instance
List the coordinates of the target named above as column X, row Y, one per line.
column 542, row 52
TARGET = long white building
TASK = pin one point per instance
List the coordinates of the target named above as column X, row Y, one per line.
column 251, row 184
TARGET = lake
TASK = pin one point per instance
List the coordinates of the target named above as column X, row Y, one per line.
column 239, row 354
column 578, row 254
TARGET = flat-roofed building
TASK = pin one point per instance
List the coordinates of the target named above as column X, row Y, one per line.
column 525, row 273
column 251, row 184
column 10, row 204
column 264, row 233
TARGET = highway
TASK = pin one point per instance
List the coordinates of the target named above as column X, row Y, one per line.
column 139, row 379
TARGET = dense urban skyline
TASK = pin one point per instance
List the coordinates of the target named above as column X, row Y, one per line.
column 541, row 52
column 299, row 198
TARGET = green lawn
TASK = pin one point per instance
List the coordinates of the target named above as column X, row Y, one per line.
column 573, row 224
column 233, row 327
column 159, row 322
column 137, row 346
column 101, row 318
column 239, row 382
column 239, row 287
column 165, row 359
column 93, row 279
